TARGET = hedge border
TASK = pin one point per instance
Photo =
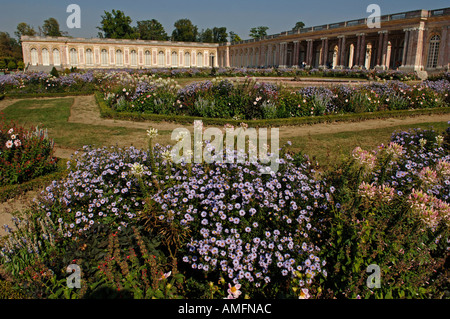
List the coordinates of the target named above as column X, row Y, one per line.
column 44, row 95
column 107, row 112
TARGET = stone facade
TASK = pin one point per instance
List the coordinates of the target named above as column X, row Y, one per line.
column 411, row 41
column 65, row 52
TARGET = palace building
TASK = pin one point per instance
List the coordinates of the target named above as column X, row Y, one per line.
column 411, row 41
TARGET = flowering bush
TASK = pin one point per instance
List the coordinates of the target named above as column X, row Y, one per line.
column 24, row 154
column 99, row 188
column 252, row 228
column 391, row 209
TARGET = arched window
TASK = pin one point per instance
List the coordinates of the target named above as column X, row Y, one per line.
column 133, row 58
column 45, row 57
column 34, row 57
column 119, row 58
column 161, row 59
column 73, row 57
column 199, row 59
column 56, row 57
column 104, row 57
column 433, row 51
column 174, row 59
column 187, row 59
column 148, row 58
column 89, row 57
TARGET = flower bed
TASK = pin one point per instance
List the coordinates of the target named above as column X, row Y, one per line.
column 142, row 226
column 250, row 100
column 41, row 82
column 89, row 80
column 24, row 154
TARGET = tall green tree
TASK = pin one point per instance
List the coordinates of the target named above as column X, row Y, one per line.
column 151, row 30
column 24, row 29
column 220, row 34
column 234, row 37
column 185, row 31
column 117, row 25
column 258, row 32
column 10, row 49
column 206, row 36
column 50, row 28
column 299, row 25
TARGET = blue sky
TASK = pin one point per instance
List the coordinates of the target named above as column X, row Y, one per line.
column 237, row 15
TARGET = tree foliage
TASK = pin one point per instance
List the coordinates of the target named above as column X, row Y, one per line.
column 219, row 34
column 206, row 36
column 151, row 30
column 258, row 32
column 185, row 31
column 117, row 25
column 299, row 25
column 24, row 29
column 234, row 37
column 50, row 28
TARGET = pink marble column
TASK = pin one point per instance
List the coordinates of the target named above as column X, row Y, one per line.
column 384, row 52
column 309, row 50
column 405, row 47
column 362, row 51
column 342, row 52
column 357, row 50
column 443, row 58
column 338, row 59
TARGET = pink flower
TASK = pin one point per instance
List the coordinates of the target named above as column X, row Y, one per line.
column 304, row 294
column 9, row 144
column 234, row 291
column 17, row 143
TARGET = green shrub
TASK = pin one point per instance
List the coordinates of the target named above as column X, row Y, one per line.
column 12, row 65
column 54, row 72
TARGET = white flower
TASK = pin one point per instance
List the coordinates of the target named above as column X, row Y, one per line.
column 137, row 169
column 422, row 142
column 166, row 275
column 10, row 131
column 9, row 144
column 167, row 156
column 17, row 143
column 152, row 133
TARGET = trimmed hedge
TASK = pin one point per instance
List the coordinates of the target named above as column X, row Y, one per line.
column 35, row 95
column 107, row 112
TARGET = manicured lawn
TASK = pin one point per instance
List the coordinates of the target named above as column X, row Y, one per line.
column 54, row 114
